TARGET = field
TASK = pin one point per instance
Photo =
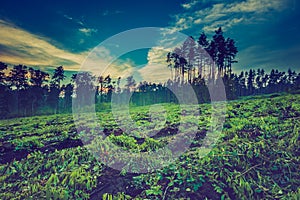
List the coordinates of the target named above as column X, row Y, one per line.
column 255, row 157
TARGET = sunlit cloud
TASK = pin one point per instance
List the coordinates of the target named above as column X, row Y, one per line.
column 18, row 46
column 155, row 72
column 157, row 55
column 225, row 14
column 21, row 47
column 101, row 62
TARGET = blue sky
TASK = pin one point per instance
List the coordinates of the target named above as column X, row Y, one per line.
column 52, row 33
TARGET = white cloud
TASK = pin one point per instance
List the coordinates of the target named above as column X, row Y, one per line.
column 225, row 24
column 68, row 17
column 215, row 13
column 189, row 5
column 228, row 15
column 198, row 21
column 182, row 23
column 79, row 22
column 88, row 31
column 257, row 6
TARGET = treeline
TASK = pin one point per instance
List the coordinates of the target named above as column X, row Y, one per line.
column 25, row 91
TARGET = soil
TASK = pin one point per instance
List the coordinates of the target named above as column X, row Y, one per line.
column 112, row 182
column 8, row 152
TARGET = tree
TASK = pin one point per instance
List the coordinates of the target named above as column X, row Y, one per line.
column 273, row 81
column 36, row 91
column 189, row 53
column 130, row 83
column 109, row 86
column 201, row 53
column 18, row 83
column 38, row 77
column 242, row 84
column 169, row 61
column 118, row 90
column 68, row 92
column 292, row 76
column 258, row 80
column 58, row 76
column 220, row 50
column 179, row 63
column 18, row 77
column 212, row 50
column 55, row 88
column 230, row 53
column 202, row 41
column 100, row 80
column 296, row 85
column 84, row 88
column 229, row 81
column 182, row 63
column 4, row 93
column 250, row 81
column 3, row 67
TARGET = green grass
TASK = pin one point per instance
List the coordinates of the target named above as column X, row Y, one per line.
column 256, row 157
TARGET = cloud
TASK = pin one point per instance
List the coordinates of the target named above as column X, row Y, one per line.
column 198, row 21
column 83, row 28
column 216, row 14
column 79, row 22
column 108, row 13
column 155, row 72
column 189, row 5
column 68, row 17
column 169, row 40
column 225, row 24
column 100, row 61
column 257, row 6
column 88, row 31
column 158, row 54
column 18, row 46
column 21, row 47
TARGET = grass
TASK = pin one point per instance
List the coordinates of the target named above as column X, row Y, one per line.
column 255, row 157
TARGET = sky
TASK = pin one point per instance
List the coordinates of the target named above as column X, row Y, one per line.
column 47, row 34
